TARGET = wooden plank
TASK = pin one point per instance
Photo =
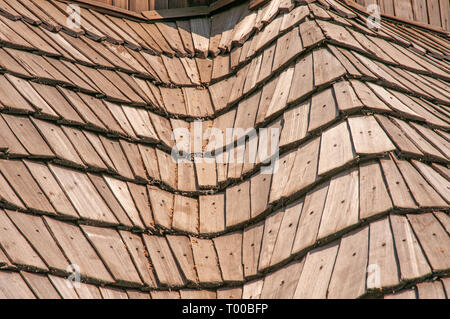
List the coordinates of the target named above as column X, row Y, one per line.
column 140, row 122
column 438, row 182
column 30, row 94
column 288, row 46
column 206, row 261
column 16, row 246
column 142, row 202
column 252, row 289
column 323, row 110
column 66, row 291
column 433, row 238
column 367, row 97
column 229, row 252
column 311, row 33
column 173, row 100
column 78, row 250
column 281, row 176
column 294, row 17
column 259, row 193
column 229, row 293
column 212, row 213
column 441, row 143
column 167, row 168
column 41, row 286
column 382, row 254
column 295, row 124
column 139, row 255
column 253, row 73
column 341, row 209
column 186, row 176
column 266, row 98
column 244, row 28
column 206, row 172
column 131, row 152
column 12, row 286
column 221, row 67
column 25, row 186
column 218, row 93
column 424, row 194
column 281, row 94
column 162, row 294
column 251, row 246
column 86, row 151
column 197, row 294
column 373, row 194
column 326, row 67
column 182, row 250
column 162, row 203
column 137, row 295
column 111, row 200
column 349, row 274
column 176, row 71
column 316, row 273
column 412, row 262
column 83, row 195
column 430, row 290
column 117, row 156
column 399, row 192
column 27, row 134
column 266, row 64
column 335, row 149
column 200, row 29
column 9, row 142
column 393, row 102
column 113, row 293
column 271, row 228
column 100, row 149
column 123, row 195
column 184, row 30
column 170, row 32
column 338, row 34
column 185, row 214
column 346, row 98
column 8, row 196
column 286, row 234
column 150, row 160
column 368, row 137
column 198, row 102
column 238, row 84
column 309, row 221
column 36, row 233
column 11, row 98
column 237, row 204
column 163, row 261
column 281, row 284
column 205, row 69
column 112, row 251
column 444, row 219
column 422, row 144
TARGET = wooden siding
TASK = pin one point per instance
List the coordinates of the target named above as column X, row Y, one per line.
column 434, row 12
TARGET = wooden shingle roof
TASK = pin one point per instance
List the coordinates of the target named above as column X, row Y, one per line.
column 358, row 205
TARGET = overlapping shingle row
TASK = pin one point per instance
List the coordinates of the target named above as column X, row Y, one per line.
column 87, row 177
